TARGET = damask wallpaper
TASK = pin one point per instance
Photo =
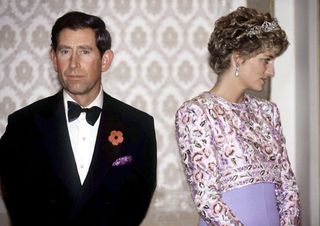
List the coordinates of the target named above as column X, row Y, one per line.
column 160, row 61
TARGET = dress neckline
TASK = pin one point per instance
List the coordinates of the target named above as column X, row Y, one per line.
column 240, row 106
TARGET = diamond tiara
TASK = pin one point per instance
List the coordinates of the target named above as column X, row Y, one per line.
column 265, row 27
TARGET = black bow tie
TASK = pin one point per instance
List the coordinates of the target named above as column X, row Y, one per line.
column 74, row 110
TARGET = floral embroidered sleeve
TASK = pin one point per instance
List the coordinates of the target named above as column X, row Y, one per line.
column 287, row 193
column 194, row 137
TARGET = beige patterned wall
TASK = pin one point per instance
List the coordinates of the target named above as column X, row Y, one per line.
column 160, row 61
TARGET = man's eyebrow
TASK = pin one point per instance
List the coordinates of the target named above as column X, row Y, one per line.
column 78, row 47
column 84, row 47
column 63, row 47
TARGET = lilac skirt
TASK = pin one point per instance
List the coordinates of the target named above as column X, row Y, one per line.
column 253, row 205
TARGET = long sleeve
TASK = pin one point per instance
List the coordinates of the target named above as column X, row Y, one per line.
column 194, row 135
column 287, row 193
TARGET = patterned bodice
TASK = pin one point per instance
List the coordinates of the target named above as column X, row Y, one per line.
column 226, row 146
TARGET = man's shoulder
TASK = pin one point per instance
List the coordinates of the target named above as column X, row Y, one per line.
column 41, row 105
column 125, row 109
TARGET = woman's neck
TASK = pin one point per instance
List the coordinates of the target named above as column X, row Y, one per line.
column 228, row 91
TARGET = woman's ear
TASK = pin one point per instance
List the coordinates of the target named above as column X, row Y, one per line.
column 236, row 59
column 106, row 60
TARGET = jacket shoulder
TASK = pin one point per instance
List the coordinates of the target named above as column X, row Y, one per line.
column 126, row 110
column 39, row 106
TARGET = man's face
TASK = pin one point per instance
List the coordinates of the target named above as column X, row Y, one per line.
column 79, row 63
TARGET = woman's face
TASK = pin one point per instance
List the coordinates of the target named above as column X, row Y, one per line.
column 255, row 71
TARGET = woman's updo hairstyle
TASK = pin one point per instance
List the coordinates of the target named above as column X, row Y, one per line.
column 246, row 32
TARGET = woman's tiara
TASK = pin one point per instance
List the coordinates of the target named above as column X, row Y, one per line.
column 265, row 27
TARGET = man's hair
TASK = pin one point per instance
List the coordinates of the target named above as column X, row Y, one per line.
column 78, row 20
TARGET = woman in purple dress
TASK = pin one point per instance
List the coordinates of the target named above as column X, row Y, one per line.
column 231, row 143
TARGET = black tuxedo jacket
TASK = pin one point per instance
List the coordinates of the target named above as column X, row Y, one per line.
column 39, row 179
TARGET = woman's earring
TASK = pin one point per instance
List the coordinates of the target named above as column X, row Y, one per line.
column 237, row 70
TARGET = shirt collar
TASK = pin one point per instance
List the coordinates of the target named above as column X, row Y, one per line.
column 98, row 101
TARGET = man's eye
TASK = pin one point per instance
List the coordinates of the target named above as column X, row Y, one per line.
column 64, row 51
column 84, row 51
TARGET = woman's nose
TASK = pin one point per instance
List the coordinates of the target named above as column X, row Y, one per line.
column 270, row 70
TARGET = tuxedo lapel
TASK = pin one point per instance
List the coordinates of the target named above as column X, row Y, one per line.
column 56, row 139
column 103, row 156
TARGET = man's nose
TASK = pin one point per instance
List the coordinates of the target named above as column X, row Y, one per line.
column 74, row 60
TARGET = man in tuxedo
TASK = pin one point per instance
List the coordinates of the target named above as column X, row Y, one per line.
column 79, row 157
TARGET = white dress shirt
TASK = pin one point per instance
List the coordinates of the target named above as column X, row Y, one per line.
column 83, row 135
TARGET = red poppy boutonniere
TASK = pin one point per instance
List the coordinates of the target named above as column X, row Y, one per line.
column 116, row 137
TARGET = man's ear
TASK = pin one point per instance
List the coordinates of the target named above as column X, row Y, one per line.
column 106, row 60
column 53, row 57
